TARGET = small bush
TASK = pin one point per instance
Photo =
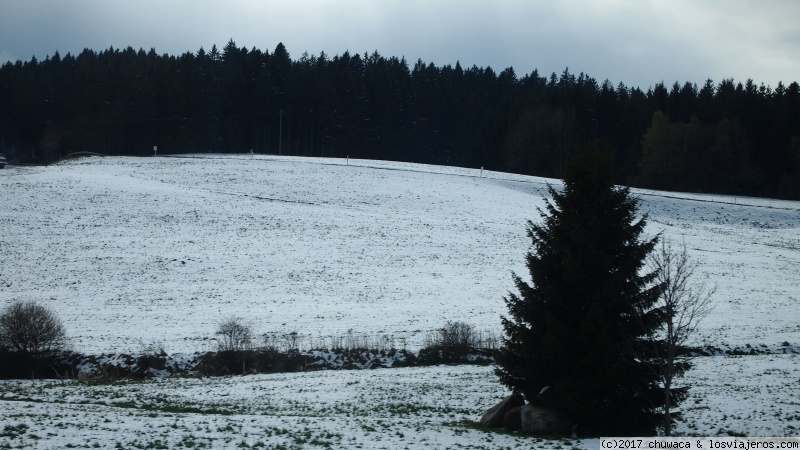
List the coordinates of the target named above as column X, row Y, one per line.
column 453, row 336
column 457, row 343
column 235, row 335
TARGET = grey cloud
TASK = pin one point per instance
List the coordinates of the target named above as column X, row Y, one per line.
column 638, row 42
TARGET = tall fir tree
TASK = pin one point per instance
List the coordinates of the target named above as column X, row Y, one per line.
column 577, row 336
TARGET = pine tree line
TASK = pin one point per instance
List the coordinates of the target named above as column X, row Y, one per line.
column 728, row 137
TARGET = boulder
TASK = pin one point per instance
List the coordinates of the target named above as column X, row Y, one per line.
column 544, row 421
column 513, row 419
column 496, row 415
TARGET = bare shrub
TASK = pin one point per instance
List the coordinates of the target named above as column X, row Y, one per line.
column 30, row 328
column 355, row 341
column 291, row 341
column 458, row 343
column 271, row 342
column 487, row 340
column 282, row 342
column 153, row 347
column 296, row 342
column 453, row 336
column 235, row 335
column 458, row 335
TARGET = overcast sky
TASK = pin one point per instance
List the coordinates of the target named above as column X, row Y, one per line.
column 637, row 42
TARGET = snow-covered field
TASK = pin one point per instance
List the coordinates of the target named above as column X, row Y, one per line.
column 370, row 409
column 137, row 251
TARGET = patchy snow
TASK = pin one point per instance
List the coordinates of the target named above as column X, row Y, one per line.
column 381, row 408
column 132, row 251
column 139, row 253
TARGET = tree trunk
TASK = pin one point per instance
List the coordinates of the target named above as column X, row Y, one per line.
column 667, row 416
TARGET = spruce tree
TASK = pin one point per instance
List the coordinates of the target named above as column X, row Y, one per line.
column 577, row 338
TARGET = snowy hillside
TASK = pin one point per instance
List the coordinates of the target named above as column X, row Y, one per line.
column 131, row 251
column 135, row 251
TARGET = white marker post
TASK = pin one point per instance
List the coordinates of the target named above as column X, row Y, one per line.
column 155, row 150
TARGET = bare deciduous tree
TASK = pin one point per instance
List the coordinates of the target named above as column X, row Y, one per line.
column 684, row 302
column 235, row 334
column 31, row 328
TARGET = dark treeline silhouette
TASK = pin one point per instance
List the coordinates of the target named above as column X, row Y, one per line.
column 729, row 137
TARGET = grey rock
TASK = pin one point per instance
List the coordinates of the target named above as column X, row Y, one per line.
column 495, row 416
column 544, row 421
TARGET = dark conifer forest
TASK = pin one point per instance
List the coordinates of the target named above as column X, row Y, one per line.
column 725, row 136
